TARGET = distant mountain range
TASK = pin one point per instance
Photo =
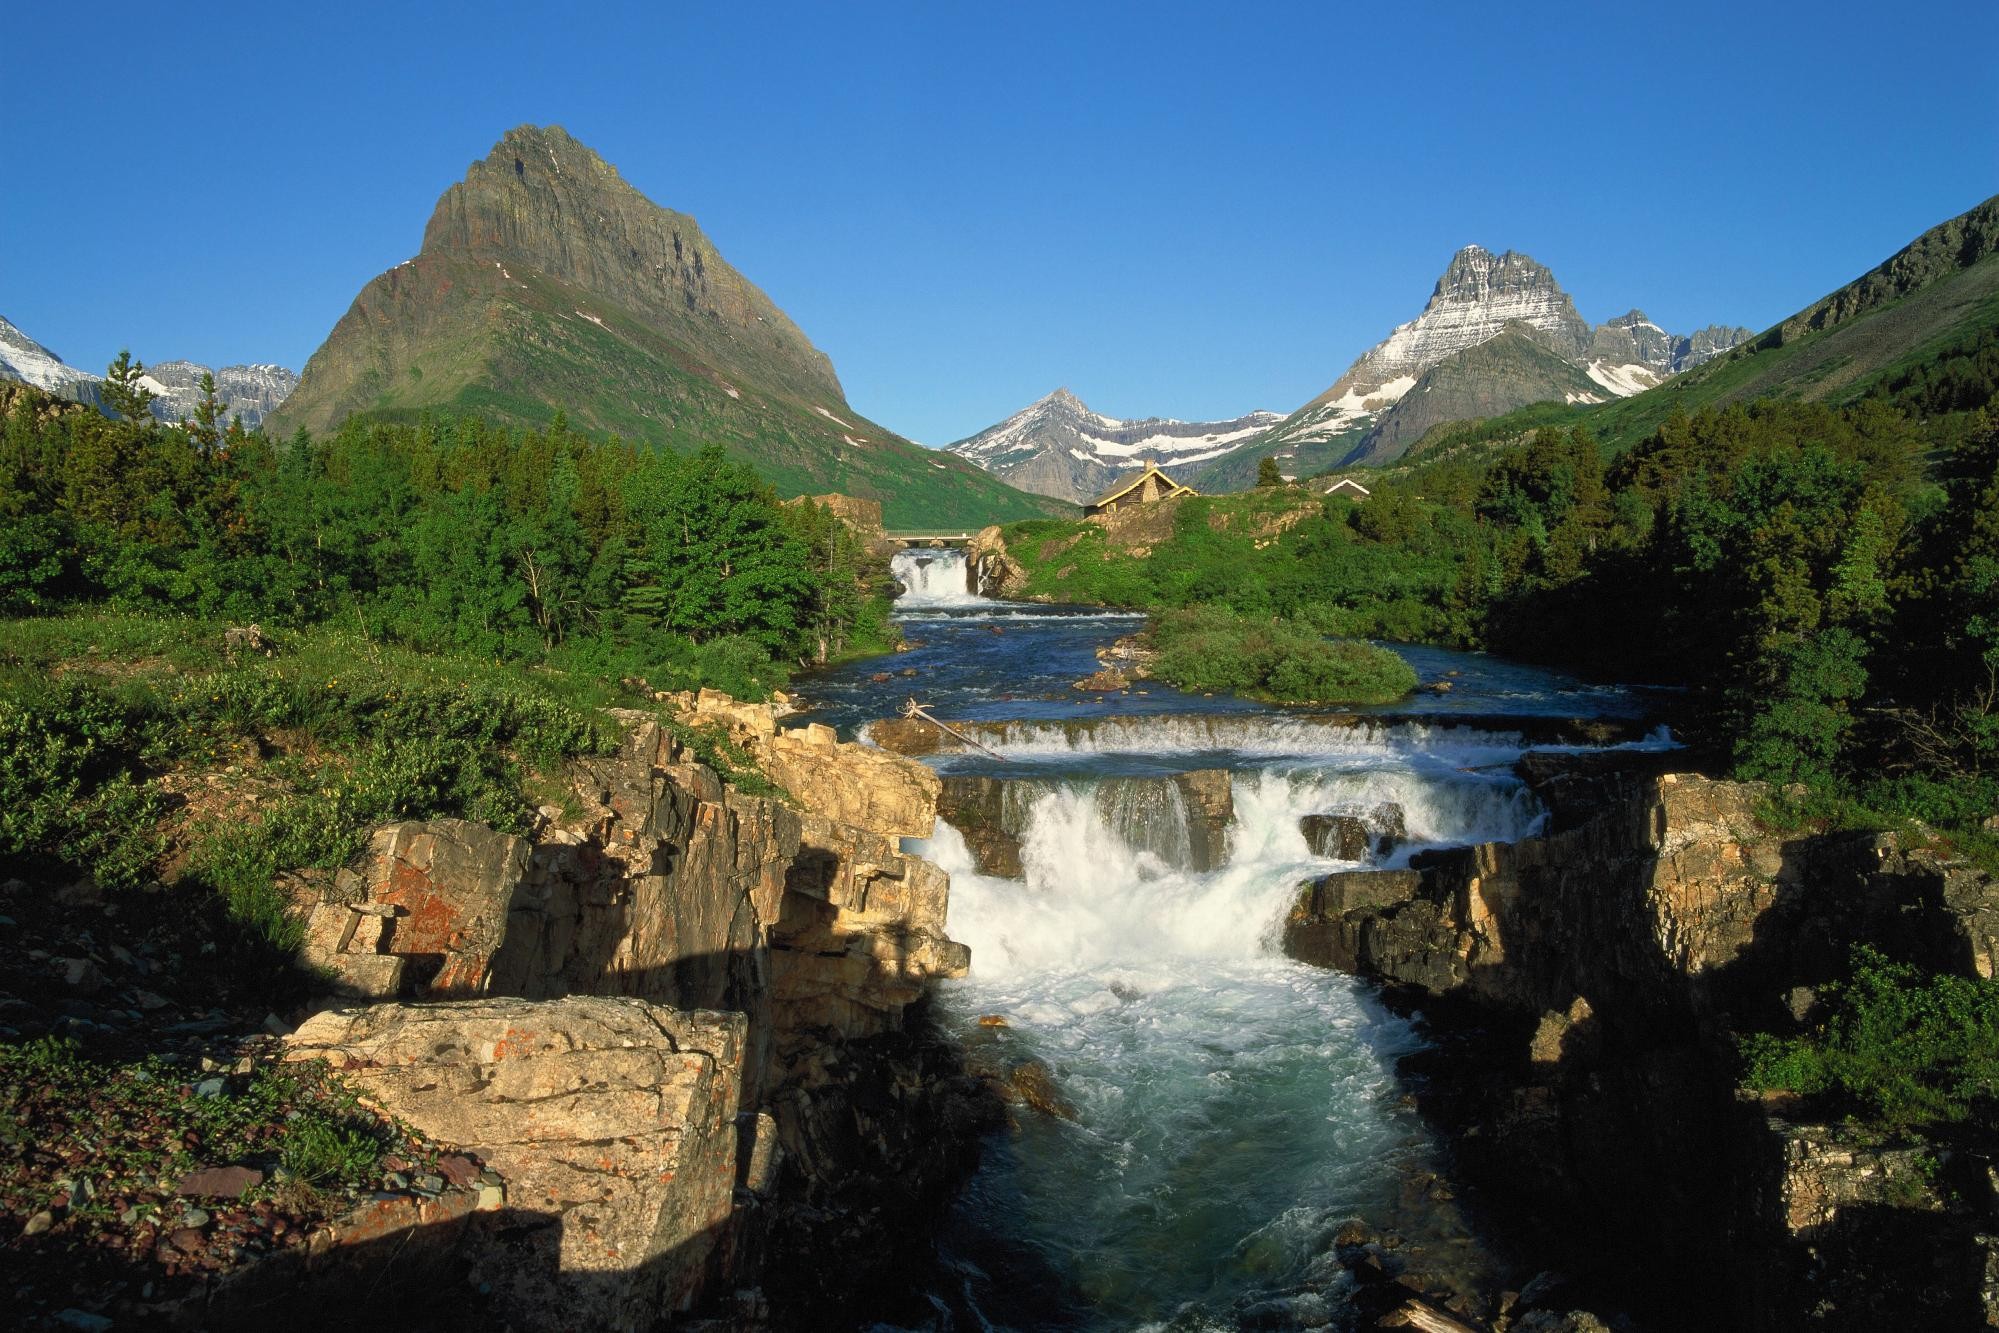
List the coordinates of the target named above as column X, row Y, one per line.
column 1498, row 333
column 251, row 392
column 548, row 284
column 1057, row 446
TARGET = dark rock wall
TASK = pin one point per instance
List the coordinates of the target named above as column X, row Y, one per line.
column 1582, row 989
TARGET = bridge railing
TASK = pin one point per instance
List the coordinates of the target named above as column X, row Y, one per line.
column 947, row 535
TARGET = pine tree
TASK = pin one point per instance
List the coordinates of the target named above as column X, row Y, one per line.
column 123, row 392
column 1267, row 473
column 205, row 430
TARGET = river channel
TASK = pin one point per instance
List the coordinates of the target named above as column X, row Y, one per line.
column 1232, row 1108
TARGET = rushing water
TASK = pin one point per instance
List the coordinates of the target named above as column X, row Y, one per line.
column 1232, row 1107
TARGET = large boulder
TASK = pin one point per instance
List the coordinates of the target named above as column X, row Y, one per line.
column 1209, row 795
column 858, row 785
column 993, row 572
column 423, row 912
column 613, row 1121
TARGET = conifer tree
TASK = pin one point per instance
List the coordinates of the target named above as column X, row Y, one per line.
column 205, row 429
column 123, row 392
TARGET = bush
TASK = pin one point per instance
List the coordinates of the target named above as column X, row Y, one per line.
column 1898, row 1049
column 1212, row 648
column 69, row 799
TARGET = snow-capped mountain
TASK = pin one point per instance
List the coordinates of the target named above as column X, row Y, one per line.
column 251, row 392
column 1058, row 446
column 24, row 359
column 1480, row 296
column 1631, row 353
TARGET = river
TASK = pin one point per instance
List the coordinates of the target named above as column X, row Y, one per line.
column 1232, row 1108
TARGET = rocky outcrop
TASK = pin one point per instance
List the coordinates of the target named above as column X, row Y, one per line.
column 1675, row 900
column 752, row 960
column 993, row 573
column 1348, row 836
column 1582, row 988
column 614, row 1122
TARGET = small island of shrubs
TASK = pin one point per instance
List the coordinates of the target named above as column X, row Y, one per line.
column 1212, row 648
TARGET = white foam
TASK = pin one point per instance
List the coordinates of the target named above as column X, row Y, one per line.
column 935, row 579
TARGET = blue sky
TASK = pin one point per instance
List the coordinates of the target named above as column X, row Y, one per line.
column 1184, row 210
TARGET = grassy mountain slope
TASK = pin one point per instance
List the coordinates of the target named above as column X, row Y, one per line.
column 1930, row 300
column 547, row 284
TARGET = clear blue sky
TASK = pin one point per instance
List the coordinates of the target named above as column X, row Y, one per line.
column 1186, row 210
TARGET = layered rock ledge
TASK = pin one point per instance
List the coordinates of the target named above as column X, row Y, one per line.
column 1582, row 988
column 682, row 1022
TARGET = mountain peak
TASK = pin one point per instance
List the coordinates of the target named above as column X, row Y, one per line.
column 1475, row 274
column 545, row 203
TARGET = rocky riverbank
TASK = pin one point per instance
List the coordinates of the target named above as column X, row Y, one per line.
column 1584, row 989
column 674, row 1040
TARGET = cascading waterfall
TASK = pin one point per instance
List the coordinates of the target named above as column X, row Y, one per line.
column 935, row 578
column 1233, row 1106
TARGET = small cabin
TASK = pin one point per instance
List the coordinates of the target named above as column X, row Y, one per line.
column 1350, row 488
column 1147, row 487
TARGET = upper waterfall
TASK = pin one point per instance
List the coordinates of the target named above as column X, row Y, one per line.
column 934, row 578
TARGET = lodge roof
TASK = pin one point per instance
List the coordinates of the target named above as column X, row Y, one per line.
column 1150, row 469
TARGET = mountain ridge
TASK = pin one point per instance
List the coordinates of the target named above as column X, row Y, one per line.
column 251, row 392
column 1058, row 446
column 1479, row 296
column 546, row 283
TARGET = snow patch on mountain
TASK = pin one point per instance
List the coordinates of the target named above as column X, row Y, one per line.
column 1623, row 381
column 24, row 359
column 1059, row 446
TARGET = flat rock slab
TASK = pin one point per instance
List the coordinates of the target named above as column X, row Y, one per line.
column 219, row 1182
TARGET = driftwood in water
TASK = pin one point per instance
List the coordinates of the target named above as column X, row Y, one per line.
column 915, row 709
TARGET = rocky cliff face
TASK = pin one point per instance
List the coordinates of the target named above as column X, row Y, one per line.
column 1057, row 446
column 678, row 1021
column 1429, row 370
column 250, row 392
column 1582, row 987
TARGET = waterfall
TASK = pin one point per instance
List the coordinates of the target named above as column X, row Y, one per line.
column 1441, row 745
column 1106, row 862
column 934, row 578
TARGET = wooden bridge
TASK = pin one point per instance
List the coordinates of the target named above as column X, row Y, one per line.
column 940, row 537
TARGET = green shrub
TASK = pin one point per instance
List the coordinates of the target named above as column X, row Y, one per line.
column 1213, row 649
column 1898, row 1049
column 69, row 798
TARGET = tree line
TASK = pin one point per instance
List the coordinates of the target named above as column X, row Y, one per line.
column 1823, row 581
column 520, row 545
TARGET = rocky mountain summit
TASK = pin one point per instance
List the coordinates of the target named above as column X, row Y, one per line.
column 1057, row 446
column 252, row 392
column 547, row 283
column 1426, row 371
